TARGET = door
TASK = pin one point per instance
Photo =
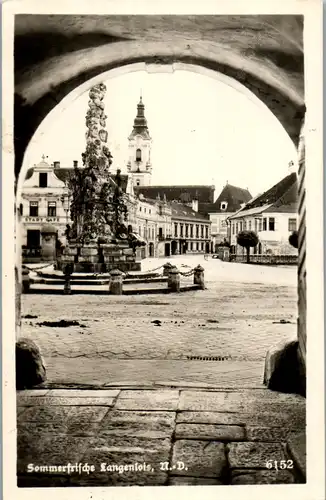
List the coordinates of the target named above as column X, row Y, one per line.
column 167, row 250
column 33, row 238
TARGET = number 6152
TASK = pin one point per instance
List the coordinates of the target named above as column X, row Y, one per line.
column 282, row 464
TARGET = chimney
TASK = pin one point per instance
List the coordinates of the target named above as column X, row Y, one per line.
column 75, row 163
column 56, row 164
column 194, row 205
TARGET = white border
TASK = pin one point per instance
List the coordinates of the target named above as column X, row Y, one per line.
column 312, row 9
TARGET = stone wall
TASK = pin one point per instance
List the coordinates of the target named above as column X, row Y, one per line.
column 99, row 258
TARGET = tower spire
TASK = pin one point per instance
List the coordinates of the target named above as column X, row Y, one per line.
column 140, row 123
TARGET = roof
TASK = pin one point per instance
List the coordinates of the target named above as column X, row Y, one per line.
column 234, row 196
column 182, row 194
column 282, row 197
column 183, row 211
column 140, row 122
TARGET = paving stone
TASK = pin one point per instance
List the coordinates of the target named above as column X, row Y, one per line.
column 249, row 401
column 151, row 424
column 81, row 393
column 61, row 414
column 261, row 477
column 280, row 434
column 126, row 450
column 148, row 400
column 208, row 417
column 57, row 401
column 45, row 449
column 193, row 481
column 294, row 418
column 42, row 481
column 253, row 454
column 296, row 448
column 71, row 428
column 32, row 393
column 210, row 432
column 200, row 458
column 20, row 410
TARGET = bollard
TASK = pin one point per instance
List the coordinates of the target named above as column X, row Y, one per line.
column 174, row 280
column 166, row 268
column 26, row 282
column 68, row 272
column 199, row 277
column 116, row 277
column 169, row 276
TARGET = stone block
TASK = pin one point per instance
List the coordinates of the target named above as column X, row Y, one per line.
column 201, row 458
column 108, row 246
column 93, row 259
column 135, row 266
column 193, row 481
column 130, row 258
column 148, row 400
column 30, row 369
column 128, row 251
column 267, row 434
column 70, row 251
column 108, row 259
column 210, row 432
column 122, row 258
column 254, row 454
column 67, row 258
column 88, row 251
column 82, row 393
column 272, row 476
column 116, row 253
column 282, row 367
column 296, row 448
column 206, row 417
column 64, row 414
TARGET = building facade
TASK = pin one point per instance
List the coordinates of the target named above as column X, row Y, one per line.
column 230, row 200
column 42, row 203
column 272, row 215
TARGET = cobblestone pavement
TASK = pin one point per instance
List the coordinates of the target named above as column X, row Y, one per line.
column 185, row 437
column 244, row 311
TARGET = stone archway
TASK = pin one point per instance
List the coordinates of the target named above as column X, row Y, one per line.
column 261, row 55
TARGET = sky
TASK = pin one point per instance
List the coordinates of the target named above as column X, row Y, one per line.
column 204, row 132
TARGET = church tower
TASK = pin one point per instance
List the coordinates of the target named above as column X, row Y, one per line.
column 139, row 165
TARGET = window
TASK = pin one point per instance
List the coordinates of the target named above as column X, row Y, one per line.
column 191, row 246
column 52, row 209
column 237, row 228
column 43, row 179
column 33, row 208
column 202, row 231
column 145, row 210
column 206, row 236
column 181, row 230
column 191, row 231
column 197, row 232
column 264, row 224
column 224, row 205
column 249, row 225
column 187, row 230
column 260, row 224
column 137, row 182
column 175, row 230
column 150, row 211
column 153, row 233
column 140, row 208
column 138, row 154
column 139, row 231
column 292, row 225
column 271, row 224
column 233, row 228
column 197, row 246
column 245, row 225
column 160, row 232
column 202, row 246
column 240, row 226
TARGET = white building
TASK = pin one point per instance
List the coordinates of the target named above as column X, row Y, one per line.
column 272, row 215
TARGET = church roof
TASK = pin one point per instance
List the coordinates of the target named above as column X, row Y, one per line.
column 234, row 196
column 140, row 122
column 182, row 194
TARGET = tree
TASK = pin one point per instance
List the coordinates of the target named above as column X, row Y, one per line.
column 247, row 239
column 293, row 239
